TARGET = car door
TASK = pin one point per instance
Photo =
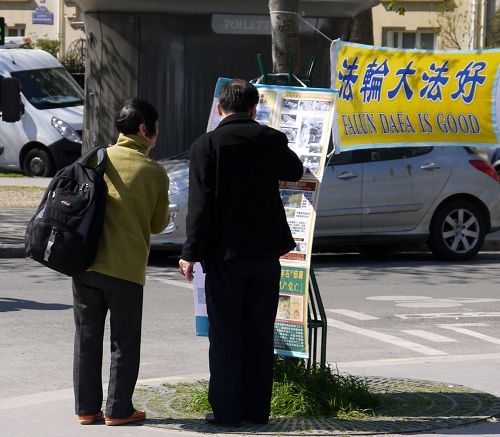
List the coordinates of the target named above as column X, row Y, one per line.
column 386, row 192
column 399, row 184
column 431, row 170
column 339, row 204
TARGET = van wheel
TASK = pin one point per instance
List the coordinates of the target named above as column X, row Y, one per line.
column 457, row 231
column 38, row 162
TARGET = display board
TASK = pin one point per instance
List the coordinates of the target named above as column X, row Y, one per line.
column 305, row 115
column 394, row 97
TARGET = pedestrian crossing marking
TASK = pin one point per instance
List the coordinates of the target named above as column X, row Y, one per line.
column 426, row 335
column 353, row 314
column 467, row 315
column 386, row 338
column 471, row 333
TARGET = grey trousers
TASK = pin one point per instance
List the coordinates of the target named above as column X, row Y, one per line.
column 94, row 294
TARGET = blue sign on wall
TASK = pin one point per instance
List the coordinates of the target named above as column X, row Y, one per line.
column 42, row 16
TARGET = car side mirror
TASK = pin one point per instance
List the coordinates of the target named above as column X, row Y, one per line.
column 10, row 99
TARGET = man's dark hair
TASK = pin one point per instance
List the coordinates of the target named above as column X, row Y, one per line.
column 135, row 112
column 238, row 95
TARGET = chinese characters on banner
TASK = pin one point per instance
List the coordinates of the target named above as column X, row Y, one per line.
column 305, row 115
column 414, row 97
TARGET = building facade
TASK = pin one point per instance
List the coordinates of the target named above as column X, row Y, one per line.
column 51, row 19
column 434, row 24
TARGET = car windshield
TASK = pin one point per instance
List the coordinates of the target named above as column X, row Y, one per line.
column 49, row 88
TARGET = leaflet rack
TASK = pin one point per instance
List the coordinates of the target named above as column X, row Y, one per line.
column 316, row 320
column 288, row 78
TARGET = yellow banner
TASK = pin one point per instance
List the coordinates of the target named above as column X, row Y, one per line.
column 413, row 97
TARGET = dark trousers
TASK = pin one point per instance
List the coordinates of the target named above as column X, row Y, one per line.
column 93, row 295
column 242, row 299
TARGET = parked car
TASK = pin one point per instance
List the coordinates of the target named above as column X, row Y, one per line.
column 447, row 197
column 48, row 136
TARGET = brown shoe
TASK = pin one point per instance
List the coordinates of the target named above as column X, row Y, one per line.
column 136, row 416
column 88, row 420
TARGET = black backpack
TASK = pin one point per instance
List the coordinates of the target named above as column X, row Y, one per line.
column 65, row 230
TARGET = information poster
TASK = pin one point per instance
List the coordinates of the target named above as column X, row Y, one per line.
column 305, row 116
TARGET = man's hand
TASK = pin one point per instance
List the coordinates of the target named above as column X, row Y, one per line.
column 186, row 269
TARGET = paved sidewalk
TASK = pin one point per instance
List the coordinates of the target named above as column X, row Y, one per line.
column 51, row 414
column 13, row 221
column 24, row 182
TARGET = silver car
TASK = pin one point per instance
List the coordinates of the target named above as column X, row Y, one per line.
column 447, row 197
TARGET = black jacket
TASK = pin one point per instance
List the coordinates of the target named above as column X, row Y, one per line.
column 234, row 207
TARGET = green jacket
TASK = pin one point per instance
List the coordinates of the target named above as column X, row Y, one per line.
column 136, row 206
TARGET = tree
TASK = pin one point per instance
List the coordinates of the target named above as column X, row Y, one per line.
column 49, row 45
column 452, row 27
column 285, row 34
column 493, row 34
column 362, row 28
column 393, row 6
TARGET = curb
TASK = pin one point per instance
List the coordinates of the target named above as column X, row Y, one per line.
column 12, row 251
column 492, row 245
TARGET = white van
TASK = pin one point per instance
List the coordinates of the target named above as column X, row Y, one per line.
column 48, row 136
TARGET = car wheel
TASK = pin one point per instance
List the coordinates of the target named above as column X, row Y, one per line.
column 38, row 162
column 457, row 231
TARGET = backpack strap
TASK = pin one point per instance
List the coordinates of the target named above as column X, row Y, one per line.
column 101, row 160
column 101, row 154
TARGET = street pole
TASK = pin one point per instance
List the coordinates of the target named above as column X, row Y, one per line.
column 62, row 29
column 285, row 35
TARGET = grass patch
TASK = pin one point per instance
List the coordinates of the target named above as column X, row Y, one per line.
column 298, row 391
column 192, row 398
column 11, row 175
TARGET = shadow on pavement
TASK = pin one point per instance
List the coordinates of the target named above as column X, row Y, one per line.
column 10, row 304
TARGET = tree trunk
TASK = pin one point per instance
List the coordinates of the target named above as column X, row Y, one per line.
column 362, row 28
column 285, row 35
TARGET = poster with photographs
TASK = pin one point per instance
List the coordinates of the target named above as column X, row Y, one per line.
column 290, row 326
column 305, row 116
column 266, row 107
column 290, row 333
column 299, row 199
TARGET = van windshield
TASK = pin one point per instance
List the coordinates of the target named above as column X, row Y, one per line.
column 49, row 88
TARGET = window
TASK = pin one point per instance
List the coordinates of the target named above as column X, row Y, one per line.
column 16, row 31
column 390, row 153
column 377, row 154
column 420, row 39
column 49, row 88
column 349, row 157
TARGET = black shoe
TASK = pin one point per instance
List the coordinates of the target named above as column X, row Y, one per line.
column 212, row 420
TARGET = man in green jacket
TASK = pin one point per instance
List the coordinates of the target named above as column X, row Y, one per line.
column 136, row 206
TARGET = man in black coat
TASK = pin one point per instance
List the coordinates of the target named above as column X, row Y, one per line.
column 236, row 227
